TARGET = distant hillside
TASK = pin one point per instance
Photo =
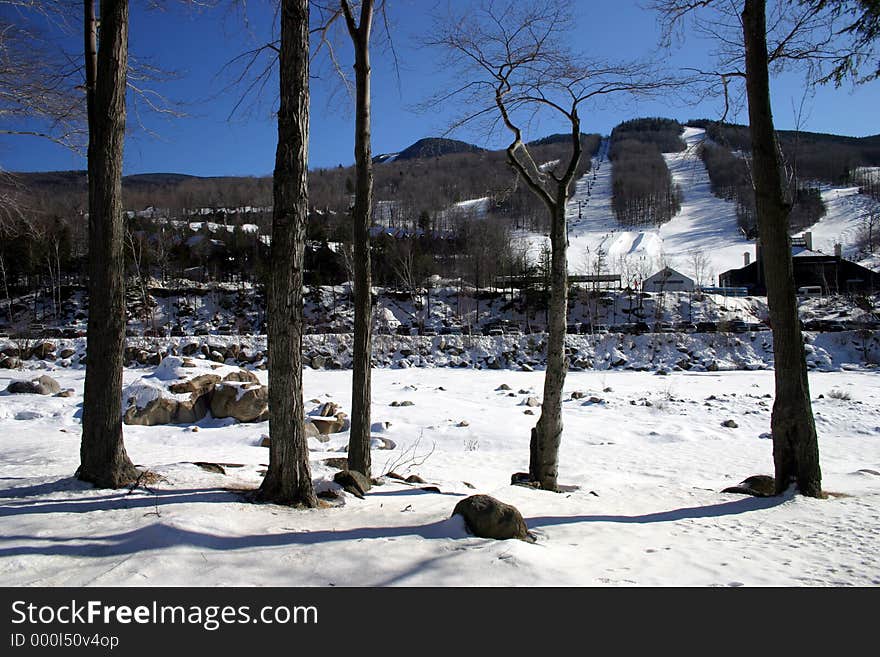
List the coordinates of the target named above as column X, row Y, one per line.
column 816, row 156
column 155, row 179
column 54, row 190
column 63, row 181
column 435, row 147
column 559, row 138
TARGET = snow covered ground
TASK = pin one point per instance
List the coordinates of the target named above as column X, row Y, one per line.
column 648, row 457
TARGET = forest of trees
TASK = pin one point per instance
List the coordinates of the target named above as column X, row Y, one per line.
column 185, row 227
column 808, row 156
column 644, row 194
column 417, row 193
column 730, row 178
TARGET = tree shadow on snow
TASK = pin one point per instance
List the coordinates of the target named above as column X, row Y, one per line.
column 65, row 484
column 160, row 535
column 735, row 507
column 18, row 503
column 21, row 501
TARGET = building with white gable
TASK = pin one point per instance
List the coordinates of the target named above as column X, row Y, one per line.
column 668, row 280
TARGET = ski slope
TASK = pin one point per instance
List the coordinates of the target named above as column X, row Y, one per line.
column 847, row 212
column 706, row 224
column 704, row 235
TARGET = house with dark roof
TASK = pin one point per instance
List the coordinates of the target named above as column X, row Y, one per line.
column 832, row 274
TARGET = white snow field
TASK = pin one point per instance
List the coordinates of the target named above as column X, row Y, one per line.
column 646, row 457
column 847, row 214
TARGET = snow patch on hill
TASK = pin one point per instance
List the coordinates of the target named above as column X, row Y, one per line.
column 847, row 213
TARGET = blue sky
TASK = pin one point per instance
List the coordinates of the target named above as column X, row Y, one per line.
column 208, row 142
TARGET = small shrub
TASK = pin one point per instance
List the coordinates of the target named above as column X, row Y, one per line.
column 840, row 394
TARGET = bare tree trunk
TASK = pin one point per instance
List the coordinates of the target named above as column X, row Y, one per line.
column 547, row 433
column 6, row 290
column 103, row 460
column 58, row 278
column 795, row 445
column 359, row 437
column 288, row 479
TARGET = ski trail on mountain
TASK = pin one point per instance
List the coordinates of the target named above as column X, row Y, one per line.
column 705, row 228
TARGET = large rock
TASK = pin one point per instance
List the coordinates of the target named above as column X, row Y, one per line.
column 311, row 431
column 190, row 348
column 328, row 419
column 198, row 385
column 161, row 410
column 9, row 363
column 353, row 482
column 43, row 350
column 328, row 425
column 245, row 402
column 192, row 410
column 756, row 485
column 43, row 385
column 328, row 409
column 150, row 402
column 242, row 376
column 487, row 517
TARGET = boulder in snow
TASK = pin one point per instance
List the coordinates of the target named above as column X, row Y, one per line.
column 353, row 482
column 487, row 517
column 245, row 402
column 756, row 485
column 42, row 385
column 159, row 410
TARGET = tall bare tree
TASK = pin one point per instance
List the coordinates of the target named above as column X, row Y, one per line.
column 359, row 438
column 103, row 459
column 510, row 54
column 795, row 443
column 753, row 42
column 288, row 479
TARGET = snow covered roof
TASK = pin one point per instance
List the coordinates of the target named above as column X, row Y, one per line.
column 668, row 272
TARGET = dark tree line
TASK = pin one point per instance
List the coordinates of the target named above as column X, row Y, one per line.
column 643, row 191
column 418, row 193
column 730, row 179
column 663, row 133
column 869, row 183
column 807, row 156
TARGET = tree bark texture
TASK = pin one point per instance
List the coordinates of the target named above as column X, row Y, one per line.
column 795, row 444
column 288, row 479
column 361, row 395
column 103, row 460
column 547, row 433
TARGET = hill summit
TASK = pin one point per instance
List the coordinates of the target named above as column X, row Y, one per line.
column 431, row 147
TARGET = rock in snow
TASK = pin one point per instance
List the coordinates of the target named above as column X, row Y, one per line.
column 487, row 517
column 42, row 385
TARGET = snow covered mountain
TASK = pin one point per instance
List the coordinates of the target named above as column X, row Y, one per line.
column 701, row 241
